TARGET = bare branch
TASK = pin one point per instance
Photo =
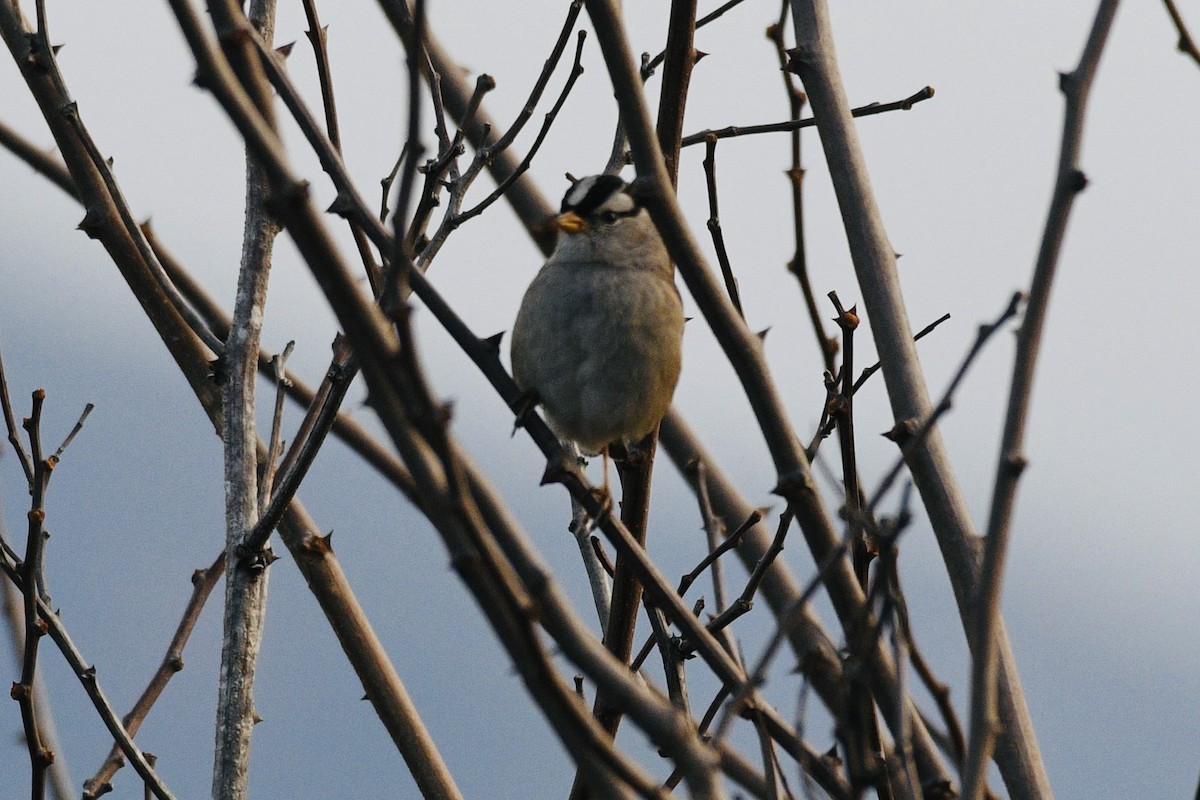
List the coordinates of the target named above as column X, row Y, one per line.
column 203, row 582
column 10, row 424
column 245, row 572
column 714, row 225
column 733, row 131
column 815, row 61
column 1186, row 44
column 87, row 676
column 984, row 625
column 44, row 163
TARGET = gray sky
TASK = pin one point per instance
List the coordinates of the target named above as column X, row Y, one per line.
column 1102, row 569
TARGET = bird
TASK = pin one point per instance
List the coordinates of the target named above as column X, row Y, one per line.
column 598, row 337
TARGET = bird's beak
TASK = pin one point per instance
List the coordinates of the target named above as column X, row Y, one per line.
column 570, row 222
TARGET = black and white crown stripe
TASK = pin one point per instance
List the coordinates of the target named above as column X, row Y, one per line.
column 598, row 194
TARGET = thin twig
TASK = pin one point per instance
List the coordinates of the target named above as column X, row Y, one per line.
column 871, row 370
column 203, row 582
column 734, row 131
column 87, row 676
column 714, row 225
column 498, row 192
column 61, row 785
column 317, row 36
column 509, row 136
column 842, row 415
column 745, row 601
column 319, row 419
column 275, row 443
column 414, row 147
column 10, row 424
column 678, row 62
column 87, row 409
column 712, row 559
column 714, row 531
column 910, row 435
column 1186, row 44
column 798, row 264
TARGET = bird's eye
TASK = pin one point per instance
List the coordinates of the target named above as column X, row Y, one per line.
column 610, row 217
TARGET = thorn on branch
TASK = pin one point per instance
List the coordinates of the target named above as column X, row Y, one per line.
column 902, row 431
column 493, row 342
column 792, row 484
column 342, row 206
column 91, row 224
column 796, row 58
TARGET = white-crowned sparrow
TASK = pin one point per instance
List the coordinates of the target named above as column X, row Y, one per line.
column 598, row 335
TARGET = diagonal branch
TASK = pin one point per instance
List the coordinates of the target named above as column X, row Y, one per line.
column 1068, row 183
column 1187, row 44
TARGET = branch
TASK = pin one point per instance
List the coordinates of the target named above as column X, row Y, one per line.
column 815, row 61
column 40, row 757
column 245, row 572
column 312, row 553
column 714, row 225
column 733, row 131
column 1187, row 44
column 526, row 201
column 984, row 621
column 372, row 340
column 87, row 676
column 798, row 264
column 743, row 348
column 43, row 162
column 203, row 582
column 61, row 785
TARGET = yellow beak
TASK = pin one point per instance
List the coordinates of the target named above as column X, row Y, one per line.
column 570, row 222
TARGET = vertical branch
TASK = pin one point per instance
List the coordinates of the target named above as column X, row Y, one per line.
column 1069, row 182
column 714, row 224
column 27, row 627
column 680, row 58
column 413, row 148
column 266, row 484
column 61, row 786
column 814, row 60
column 40, row 757
column 798, row 265
column 636, row 473
column 245, row 573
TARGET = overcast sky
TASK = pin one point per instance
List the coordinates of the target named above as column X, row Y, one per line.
column 1101, row 586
